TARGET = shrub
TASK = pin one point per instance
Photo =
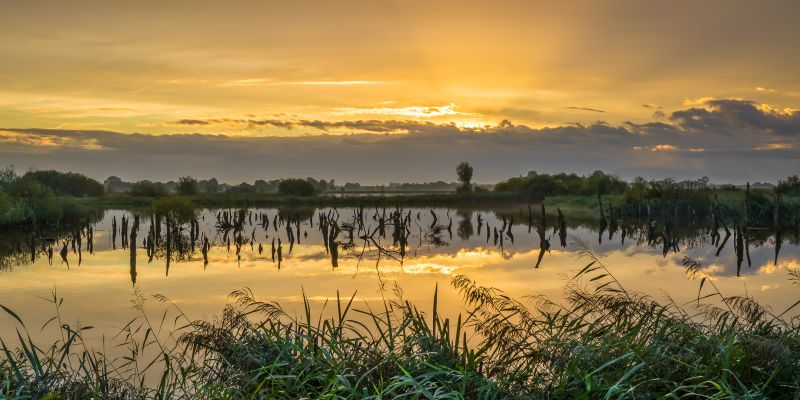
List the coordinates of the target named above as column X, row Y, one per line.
column 187, row 186
column 539, row 186
column 11, row 211
column 67, row 183
column 148, row 189
column 243, row 187
column 38, row 200
column 789, row 186
column 296, row 187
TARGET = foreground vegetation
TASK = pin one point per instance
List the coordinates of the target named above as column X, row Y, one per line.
column 601, row 342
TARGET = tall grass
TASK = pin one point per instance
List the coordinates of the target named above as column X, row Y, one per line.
column 600, row 341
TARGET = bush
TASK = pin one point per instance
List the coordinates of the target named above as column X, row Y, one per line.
column 38, row 200
column 7, row 176
column 539, row 186
column 535, row 187
column 67, row 183
column 11, row 211
column 187, row 186
column 789, row 186
column 148, row 189
column 242, row 188
column 296, row 187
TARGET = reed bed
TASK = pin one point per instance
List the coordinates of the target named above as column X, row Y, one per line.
column 600, row 341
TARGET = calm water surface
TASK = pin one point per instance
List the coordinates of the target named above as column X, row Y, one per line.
column 99, row 290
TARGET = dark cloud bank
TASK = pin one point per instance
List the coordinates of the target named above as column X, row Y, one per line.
column 729, row 140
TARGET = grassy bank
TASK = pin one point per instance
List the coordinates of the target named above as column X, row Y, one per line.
column 50, row 211
column 223, row 200
column 603, row 342
column 729, row 202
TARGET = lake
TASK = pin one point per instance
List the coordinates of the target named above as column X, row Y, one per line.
column 390, row 252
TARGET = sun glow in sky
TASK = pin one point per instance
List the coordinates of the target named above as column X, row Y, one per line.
column 310, row 68
column 135, row 67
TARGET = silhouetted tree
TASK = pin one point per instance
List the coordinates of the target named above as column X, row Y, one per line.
column 296, row 187
column 7, row 176
column 187, row 185
column 243, row 187
column 39, row 201
column 790, row 185
column 67, row 183
column 209, row 186
column 539, row 186
column 464, row 171
column 148, row 189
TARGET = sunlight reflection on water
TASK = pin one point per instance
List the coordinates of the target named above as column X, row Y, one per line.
column 100, row 290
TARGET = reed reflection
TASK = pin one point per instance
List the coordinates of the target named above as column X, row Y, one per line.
column 390, row 234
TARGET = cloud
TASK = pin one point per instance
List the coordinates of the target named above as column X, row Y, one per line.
column 664, row 147
column 729, row 140
column 587, row 109
column 46, row 140
column 411, row 111
column 264, row 82
column 776, row 146
column 338, row 83
column 192, row 122
column 513, row 113
column 732, row 116
column 245, row 82
column 697, row 102
column 370, row 126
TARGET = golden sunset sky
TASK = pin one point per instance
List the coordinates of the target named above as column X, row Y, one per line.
column 299, row 68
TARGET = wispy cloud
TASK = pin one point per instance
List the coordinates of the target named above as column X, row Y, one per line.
column 246, row 82
column 357, row 126
column 410, row 111
column 663, row 147
column 775, row 146
column 586, row 109
column 338, row 83
column 46, row 140
column 698, row 101
column 271, row 82
column 181, row 81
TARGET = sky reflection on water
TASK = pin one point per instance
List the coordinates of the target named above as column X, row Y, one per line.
column 100, row 290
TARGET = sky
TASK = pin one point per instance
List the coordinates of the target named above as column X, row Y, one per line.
column 385, row 91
